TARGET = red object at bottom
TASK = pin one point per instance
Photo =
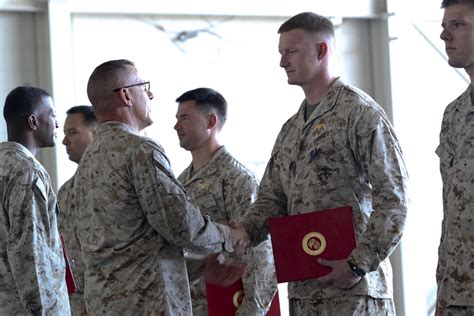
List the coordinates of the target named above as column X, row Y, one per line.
column 224, row 301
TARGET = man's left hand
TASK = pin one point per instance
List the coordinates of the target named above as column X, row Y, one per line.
column 340, row 276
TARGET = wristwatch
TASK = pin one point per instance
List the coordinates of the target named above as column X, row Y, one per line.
column 356, row 271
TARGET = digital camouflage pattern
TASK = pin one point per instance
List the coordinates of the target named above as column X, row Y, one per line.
column 455, row 272
column 346, row 153
column 350, row 305
column 32, row 270
column 224, row 189
column 66, row 228
column 133, row 219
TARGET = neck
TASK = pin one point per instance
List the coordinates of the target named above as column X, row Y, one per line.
column 316, row 90
column 203, row 154
column 24, row 140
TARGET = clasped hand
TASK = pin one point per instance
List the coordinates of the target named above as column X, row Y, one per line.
column 223, row 269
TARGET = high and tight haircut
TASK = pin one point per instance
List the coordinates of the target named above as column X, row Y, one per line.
column 448, row 3
column 106, row 74
column 87, row 113
column 111, row 67
column 206, row 99
column 22, row 102
column 309, row 22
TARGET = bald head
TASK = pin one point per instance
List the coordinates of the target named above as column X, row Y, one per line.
column 107, row 77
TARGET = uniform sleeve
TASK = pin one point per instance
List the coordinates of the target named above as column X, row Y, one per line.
column 445, row 154
column 271, row 200
column 259, row 281
column 169, row 209
column 29, row 239
column 380, row 155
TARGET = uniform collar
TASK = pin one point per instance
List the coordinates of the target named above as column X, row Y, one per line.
column 327, row 103
column 17, row 147
column 104, row 126
column 209, row 168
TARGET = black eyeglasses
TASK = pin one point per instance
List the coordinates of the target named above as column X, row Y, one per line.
column 146, row 84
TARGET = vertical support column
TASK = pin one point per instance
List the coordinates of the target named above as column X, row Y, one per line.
column 61, row 72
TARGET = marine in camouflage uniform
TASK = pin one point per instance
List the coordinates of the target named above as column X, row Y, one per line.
column 455, row 272
column 79, row 131
column 66, row 227
column 224, row 189
column 133, row 220
column 32, row 263
column 345, row 153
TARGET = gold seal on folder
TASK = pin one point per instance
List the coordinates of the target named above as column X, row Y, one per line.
column 314, row 243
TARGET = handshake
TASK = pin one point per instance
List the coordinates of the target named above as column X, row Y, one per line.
column 224, row 269
column 239, row 237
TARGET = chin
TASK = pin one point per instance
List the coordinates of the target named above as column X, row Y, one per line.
column 455, row 63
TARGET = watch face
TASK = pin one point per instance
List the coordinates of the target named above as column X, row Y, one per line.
column 356, row 271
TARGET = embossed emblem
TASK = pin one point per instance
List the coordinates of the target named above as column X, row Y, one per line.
column 314, row 243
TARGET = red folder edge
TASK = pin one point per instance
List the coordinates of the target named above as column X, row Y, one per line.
column 289, row 234
column 70, row 283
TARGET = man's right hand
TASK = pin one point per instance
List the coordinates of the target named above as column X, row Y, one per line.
column 239, row 237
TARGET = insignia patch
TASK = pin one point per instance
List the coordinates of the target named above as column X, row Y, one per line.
column 320, row 126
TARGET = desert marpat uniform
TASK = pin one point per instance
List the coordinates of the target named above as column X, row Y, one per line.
column 32, row 269
column 66, row 228
column 133, row 219
column 346, row 153
column 224, row 189
column 455, row 273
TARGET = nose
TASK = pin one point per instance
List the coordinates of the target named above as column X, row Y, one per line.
column 177, row 126
column 65, row 140
column 283, row 61
column 150, row 95
column 444, row 35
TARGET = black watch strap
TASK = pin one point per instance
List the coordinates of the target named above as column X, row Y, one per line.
column 356, row 271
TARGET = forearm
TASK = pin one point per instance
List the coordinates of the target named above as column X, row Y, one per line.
column 259, row 281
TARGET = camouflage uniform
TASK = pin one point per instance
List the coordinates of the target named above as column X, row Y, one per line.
column 224, row 190
column 133, row 219
column 346, row 153
column 66, row 227
column 455, row 272
column 32, row 264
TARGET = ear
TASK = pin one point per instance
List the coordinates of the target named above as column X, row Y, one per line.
column 212, row 120
column 322, row 50
column 32, row 122
column 125, row 96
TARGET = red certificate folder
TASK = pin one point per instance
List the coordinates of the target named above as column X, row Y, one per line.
column 224, row 301
column 298, row 240
column 70, row 283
